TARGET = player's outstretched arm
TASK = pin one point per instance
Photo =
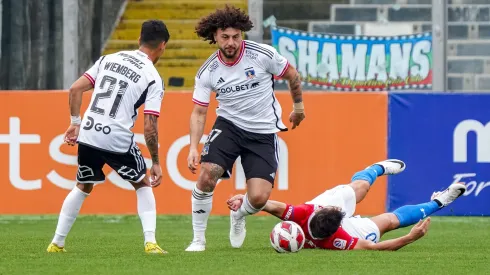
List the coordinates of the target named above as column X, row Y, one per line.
column 151, row 138
column 198, row 120
column 417, row 232
column 275, row 208
column 294, row 82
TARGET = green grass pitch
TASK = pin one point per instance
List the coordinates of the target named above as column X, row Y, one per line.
column 114, row 245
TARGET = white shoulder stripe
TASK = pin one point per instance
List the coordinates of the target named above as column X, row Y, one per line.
column 205, row 65
column 262, row 51
column 258, row 46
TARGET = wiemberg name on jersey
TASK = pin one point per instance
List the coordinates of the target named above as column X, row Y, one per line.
column 122, row 70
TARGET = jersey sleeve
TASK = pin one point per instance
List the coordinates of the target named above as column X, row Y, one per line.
column 278, row 64
column 91, row 74
column 342, row 240
column 154, row 97
column 202, row 91
column 295, row 213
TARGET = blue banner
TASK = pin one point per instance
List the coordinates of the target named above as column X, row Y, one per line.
column 358, row 63
column 443, row 138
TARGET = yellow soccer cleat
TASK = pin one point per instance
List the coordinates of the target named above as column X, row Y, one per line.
column 153, row 248
column 52, row 248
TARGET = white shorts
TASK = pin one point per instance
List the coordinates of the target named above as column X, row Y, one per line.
column 362, row 228
column 343, row 196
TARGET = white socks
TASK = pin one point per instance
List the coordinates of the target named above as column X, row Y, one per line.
column 147, row 212
column 202, row 203
column 246, row 209
column 69, row 212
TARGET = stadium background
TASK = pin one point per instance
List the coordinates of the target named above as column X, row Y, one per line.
column 442, row 134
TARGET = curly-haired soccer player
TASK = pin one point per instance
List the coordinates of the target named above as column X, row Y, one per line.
column 241, row 72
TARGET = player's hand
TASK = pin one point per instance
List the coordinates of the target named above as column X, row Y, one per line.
column 235, row 202
column 420, row 229
column 296, row 118
column 193, row 160
column 71, row 134
column 156, row 175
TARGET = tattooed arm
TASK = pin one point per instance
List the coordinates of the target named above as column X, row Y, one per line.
column 151, row 136
column 294, row 82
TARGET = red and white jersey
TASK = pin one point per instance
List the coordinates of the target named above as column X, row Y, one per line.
column 122, row 82
column 302, row 214
column 245, row 88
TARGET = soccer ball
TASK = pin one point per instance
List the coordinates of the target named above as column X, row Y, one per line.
column 287, row 236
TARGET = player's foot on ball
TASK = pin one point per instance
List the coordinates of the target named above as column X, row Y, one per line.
column 237, row 230
column 449, row 195
column 53, row 248
column 196, row 246
column 392, row 166
column 153, row 248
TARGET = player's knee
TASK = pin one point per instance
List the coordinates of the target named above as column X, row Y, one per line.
column 210, row 173
column 394, row 222
column 85, row 187
column 206, row 183
column 360, row 186
column 145, row 182
column 258, row 200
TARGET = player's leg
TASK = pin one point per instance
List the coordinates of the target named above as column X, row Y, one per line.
column 218, row 155
column 410, row 214
column 90, row 163
column 341, row 196
column 132, row 168
column 347, row 196
column 361, row 181
column 260, row 159
column 202, row 202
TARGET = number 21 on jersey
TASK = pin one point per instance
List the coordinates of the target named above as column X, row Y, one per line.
column 123, row 86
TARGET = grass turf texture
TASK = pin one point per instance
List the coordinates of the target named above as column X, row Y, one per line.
column 114, row 245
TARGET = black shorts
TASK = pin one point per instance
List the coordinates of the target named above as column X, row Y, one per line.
column 258, row 152
column 130, row 166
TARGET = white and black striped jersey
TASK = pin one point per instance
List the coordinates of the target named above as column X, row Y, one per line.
column 122, row 81
column 245, row 88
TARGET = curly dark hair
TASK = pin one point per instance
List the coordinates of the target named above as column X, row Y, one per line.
column 228, row 17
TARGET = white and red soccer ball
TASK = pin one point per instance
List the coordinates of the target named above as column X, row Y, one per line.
column 287, row 236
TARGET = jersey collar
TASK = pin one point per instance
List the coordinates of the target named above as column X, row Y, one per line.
column 242, row 50
column 144, row 54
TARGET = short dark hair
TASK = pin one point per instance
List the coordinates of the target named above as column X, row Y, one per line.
column 154, row 32
column 326, row 222
column 228, row 17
